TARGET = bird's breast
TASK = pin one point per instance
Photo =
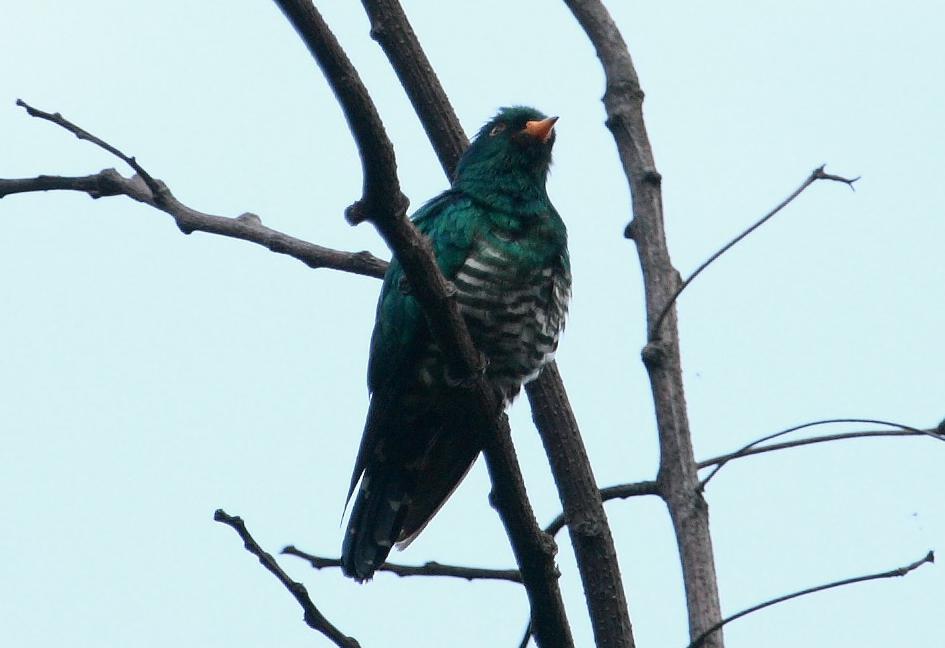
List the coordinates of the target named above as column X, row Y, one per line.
column 514, row 302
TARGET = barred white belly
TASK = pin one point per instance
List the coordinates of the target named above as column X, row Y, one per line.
column 514, row 317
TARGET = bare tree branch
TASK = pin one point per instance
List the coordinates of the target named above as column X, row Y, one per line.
column 678, row 478
column 391, row 29
column 427, row 569
column 383, row 205
column 247, row 227
column 381, row 198
column 899, row 571
column 577, row 489
column 313, row 617
column 749, row 449
column 815, row 175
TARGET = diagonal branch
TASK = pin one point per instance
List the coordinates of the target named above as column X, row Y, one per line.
column 815, row 175
column 590, row 532
column 892, row 573
column 391, row 29
column 427, row 569
column 313, row 617
column 383, row 205
column 750, row 448
column 247, row 227
column 677, row 477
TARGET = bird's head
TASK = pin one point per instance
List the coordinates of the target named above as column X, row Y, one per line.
column 516, row 142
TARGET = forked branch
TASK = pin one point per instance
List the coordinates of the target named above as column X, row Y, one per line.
column 150, row 191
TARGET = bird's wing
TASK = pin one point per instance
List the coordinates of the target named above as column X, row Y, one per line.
column 400, row 330
column 400, row 326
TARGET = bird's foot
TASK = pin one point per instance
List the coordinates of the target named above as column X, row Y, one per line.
column 468, row 379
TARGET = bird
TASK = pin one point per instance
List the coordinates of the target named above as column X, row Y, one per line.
column 500, row 242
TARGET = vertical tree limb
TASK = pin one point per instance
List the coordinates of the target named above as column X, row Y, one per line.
column 590, row 532
column 677, row 478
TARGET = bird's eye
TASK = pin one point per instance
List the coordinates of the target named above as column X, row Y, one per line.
column 498, row 128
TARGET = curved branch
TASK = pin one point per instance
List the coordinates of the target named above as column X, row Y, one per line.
column 427, row 569
column 313, row 617
column 384, row 206
column 381, row 198
column 815, row 175
column 892, row 573
column 746, row 450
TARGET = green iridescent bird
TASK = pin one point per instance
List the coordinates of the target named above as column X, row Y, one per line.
column 497, row 237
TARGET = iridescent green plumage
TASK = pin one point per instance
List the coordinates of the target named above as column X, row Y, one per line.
column 497, row 237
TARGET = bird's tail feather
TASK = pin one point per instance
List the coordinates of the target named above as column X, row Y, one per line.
column 376, row 520
column 447, row 461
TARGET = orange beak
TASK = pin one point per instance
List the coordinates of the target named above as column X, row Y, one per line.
column 541, row 129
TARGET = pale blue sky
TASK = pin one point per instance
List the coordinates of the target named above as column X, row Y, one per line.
column 148, row 378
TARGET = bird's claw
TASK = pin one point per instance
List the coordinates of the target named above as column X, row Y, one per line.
column 470, row 378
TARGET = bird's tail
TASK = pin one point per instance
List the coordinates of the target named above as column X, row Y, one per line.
column 376, row 521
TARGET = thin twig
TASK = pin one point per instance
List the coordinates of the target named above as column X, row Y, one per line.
column 313, row 617
column 719, row 462
column 812, row 440
column 56, row 118
column 892, row 573
column 427, row 569
column 815, row 175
